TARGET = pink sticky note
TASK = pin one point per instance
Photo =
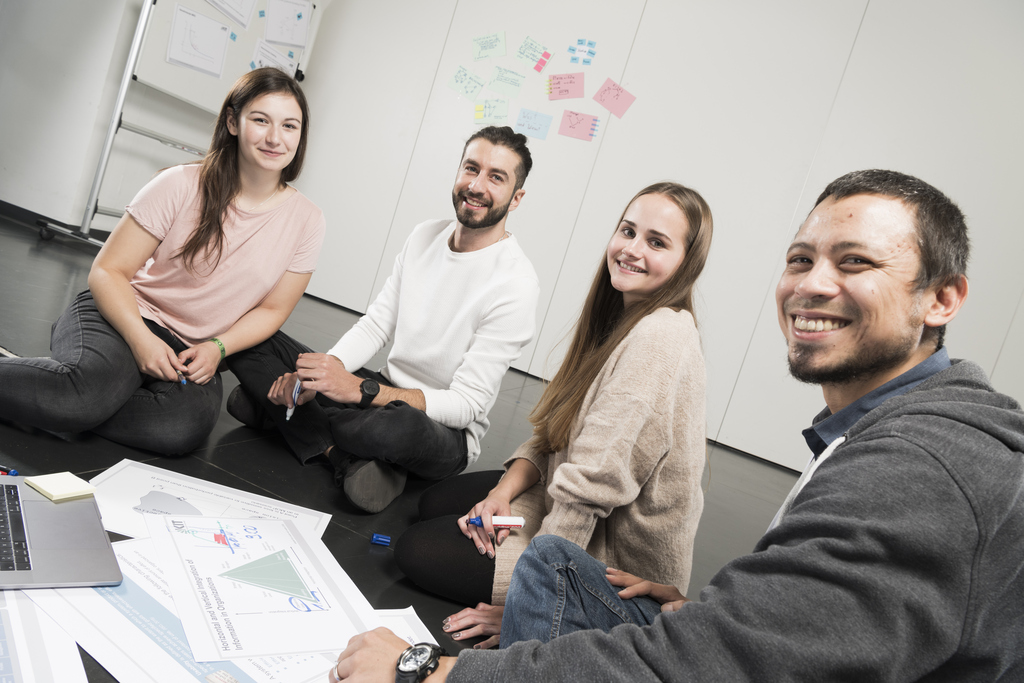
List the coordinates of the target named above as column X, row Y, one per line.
column 577, row 125
column 614, row 98
column 565, row 86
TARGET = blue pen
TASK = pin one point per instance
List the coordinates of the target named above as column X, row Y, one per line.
column 499, row 522
column 181, row 377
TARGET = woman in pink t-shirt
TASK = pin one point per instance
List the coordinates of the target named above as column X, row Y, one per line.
column 209, row 259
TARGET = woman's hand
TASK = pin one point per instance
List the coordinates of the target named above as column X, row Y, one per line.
column 281, row 390
column 202, row 361
column 485, row 620
column 155, row 358
column 669, row 596
column 484, row 537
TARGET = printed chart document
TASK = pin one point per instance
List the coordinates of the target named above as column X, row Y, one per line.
column 129, row 490
column 197, row 42
column 256, row 587
column 132, row 630
column 32, row 646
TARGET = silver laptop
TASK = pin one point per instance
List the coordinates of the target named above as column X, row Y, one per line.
column 52, row 545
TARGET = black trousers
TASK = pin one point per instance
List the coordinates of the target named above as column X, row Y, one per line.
column 396, row 433
column 435, row 555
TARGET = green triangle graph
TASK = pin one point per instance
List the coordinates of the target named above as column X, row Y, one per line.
column 273, row 572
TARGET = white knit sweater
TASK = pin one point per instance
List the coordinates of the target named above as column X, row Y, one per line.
column 458, row 321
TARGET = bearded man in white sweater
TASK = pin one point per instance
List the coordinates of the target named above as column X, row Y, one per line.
column 460, row 305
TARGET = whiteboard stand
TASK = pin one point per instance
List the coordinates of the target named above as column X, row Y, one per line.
column 47, row 229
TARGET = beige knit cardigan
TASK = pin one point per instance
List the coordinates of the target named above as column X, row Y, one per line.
column 628, row 487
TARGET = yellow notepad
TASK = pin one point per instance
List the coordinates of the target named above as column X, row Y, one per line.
column 61, row 486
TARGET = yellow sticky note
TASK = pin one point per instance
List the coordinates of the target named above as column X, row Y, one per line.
column 61, row 486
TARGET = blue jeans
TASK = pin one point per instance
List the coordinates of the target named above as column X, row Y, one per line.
column 557, row 588
column 395, row 433
column 92, row 383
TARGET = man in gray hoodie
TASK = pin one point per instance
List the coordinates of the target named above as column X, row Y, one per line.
column 899, row 554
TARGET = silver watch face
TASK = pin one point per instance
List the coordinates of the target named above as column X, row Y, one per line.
column 413, row 658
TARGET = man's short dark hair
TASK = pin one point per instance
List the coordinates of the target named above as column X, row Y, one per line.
column 506, row 137
column 941, row 229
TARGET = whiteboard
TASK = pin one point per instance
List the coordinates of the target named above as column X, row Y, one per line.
column 199, row 88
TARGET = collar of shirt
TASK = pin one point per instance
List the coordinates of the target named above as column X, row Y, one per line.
column 827, row 427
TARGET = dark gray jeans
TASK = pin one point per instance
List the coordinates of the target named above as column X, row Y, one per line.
column 91, row 383
column 396, row 433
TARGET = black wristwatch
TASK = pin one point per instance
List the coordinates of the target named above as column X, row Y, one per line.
column 417, row 662
column 369, row 389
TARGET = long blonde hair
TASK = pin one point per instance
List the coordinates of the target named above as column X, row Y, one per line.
column 604, row 321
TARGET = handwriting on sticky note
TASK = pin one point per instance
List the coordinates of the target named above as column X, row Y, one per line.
column 466, row 83
column 614, row 98
column 577, row 125
column 491, row 112
column 491, row 45
column 532, row 53
column 533, row 123
column 506, row 82
column 565, row 86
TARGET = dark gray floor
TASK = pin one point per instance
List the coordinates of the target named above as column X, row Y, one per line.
column 38, row 279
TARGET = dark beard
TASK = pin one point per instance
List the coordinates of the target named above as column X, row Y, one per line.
column 492, row 217
column 869, row 362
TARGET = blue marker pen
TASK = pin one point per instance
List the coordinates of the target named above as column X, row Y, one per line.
column 499, row 522
column 181, row 377
column 295, row 397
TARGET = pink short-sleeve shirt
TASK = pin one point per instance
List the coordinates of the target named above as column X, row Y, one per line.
column 259, row 248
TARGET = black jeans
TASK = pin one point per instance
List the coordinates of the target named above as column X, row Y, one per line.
column 396, row 433
column 91, row 382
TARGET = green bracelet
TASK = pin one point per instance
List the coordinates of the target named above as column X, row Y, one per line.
column 220, row 345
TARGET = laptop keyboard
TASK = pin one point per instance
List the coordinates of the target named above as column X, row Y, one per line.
column 13, row 540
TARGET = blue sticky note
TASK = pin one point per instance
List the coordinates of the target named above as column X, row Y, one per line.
column 233, row 36
column 252, row 65
column 262, row 14
column 581, row 41
column 574, row 60
column 291, row 55
column 591, row 53
column 572, row 49
column 586, row 61
column 591, row 43
column 533, row 123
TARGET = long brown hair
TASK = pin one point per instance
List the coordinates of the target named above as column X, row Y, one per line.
column 605, row 322
column 218, row 175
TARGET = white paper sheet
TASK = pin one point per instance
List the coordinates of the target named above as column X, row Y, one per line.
column 267, row 55
column 197, row 42
column 288, row 22
column 32, row 646
column 129, row 490
column 406, row 624
column 133, row 631
column 239, row 11
column 254, row 588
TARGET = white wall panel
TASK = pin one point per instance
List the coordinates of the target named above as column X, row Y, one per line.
column 367, row 88
column 934, row 90
column 727, row 103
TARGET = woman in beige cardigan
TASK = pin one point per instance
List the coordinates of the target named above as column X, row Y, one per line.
column 618, row 449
